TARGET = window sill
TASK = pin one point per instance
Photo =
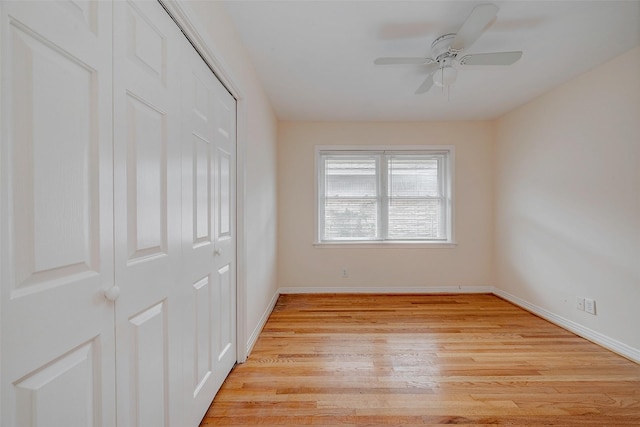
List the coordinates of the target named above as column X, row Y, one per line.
column 385, row 245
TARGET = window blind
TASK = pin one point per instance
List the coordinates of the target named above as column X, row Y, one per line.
column 377, row 196
column 415, row 197
column 351, row 202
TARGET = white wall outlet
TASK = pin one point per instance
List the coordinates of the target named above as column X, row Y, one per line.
column 580, row 303
column 590, row 306
column 345, row 272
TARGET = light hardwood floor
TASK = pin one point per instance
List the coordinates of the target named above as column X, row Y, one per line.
column 368, row 360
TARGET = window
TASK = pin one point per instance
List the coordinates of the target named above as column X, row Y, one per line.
column 398, row 195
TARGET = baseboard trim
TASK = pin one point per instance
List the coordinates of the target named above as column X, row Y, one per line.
column 263, row 320
column 618, row 347
column 388, row 290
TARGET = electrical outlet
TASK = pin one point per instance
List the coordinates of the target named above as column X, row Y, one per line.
column 345, row 273
column 590, row 306
column 580, row 303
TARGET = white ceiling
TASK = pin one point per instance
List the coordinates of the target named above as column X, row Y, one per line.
column 315, row 58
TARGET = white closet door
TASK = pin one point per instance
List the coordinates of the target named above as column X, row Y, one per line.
column 148, row 257
column 208, row 234
column 225, row 230
column 56, row 215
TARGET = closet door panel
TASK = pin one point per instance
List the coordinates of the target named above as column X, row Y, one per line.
column 146, row 180
column 225, row 229
column 207, row 236
column 56, row 213
column 198, row 208
column 147, row 378
column 62, row 393
column 148, row 257
column 225, row 320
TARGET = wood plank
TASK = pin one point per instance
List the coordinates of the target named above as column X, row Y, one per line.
column 415, row 360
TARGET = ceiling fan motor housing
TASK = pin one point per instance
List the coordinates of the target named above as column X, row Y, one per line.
column 440, row 48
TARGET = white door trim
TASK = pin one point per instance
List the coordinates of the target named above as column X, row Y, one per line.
column 196, row 32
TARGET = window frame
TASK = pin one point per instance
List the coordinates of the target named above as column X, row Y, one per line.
column 447, row 171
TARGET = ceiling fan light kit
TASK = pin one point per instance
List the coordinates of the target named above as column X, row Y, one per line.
column 445, row 76
column 446, row 48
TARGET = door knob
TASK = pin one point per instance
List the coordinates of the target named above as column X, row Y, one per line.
column 112, row 293
column 217, row 252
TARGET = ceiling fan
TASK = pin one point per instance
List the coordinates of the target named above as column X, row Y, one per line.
column 446, row 49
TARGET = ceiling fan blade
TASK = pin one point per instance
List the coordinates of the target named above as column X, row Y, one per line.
column 428, row 82
column 496, row 58
column 402, row 61
column 426, row 85
column 473, row 27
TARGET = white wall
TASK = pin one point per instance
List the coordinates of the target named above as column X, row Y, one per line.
column 260, row 181
column 567, row 212
column 302, row 265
